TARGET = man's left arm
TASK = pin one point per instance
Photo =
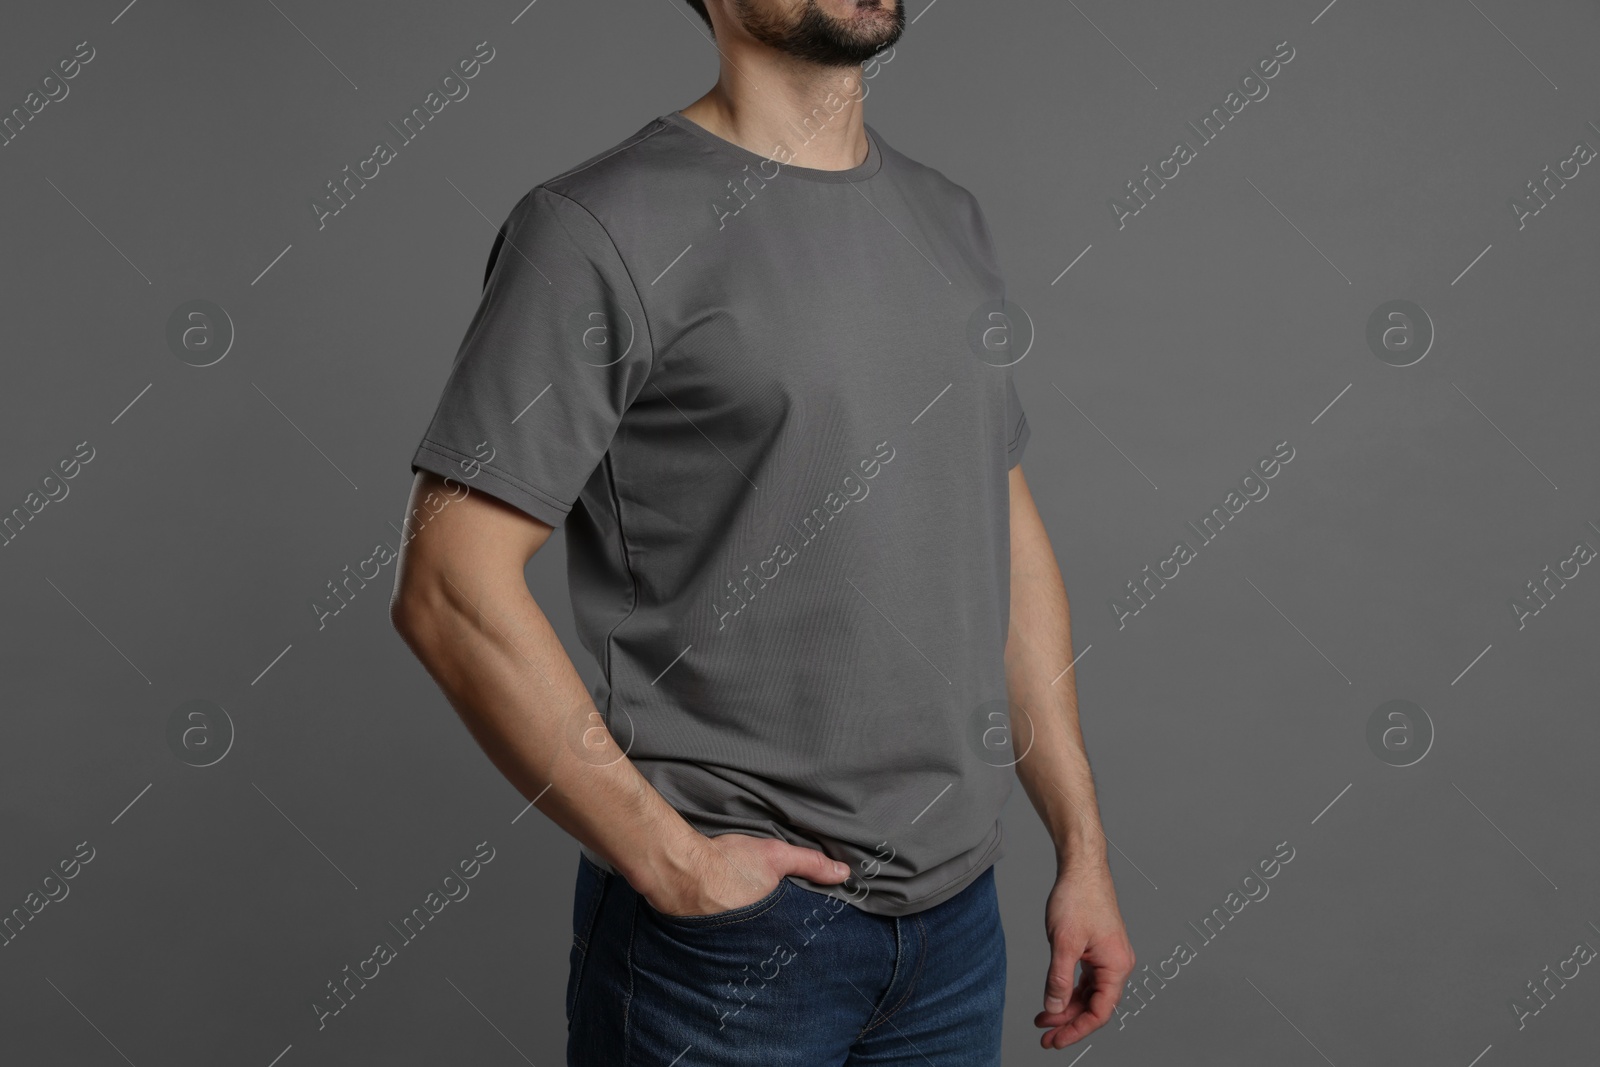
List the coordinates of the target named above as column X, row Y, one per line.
column 1082, row 921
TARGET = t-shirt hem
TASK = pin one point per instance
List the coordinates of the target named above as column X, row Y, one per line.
column 595, row 858
column 986, row 859
column 995, row 850
column 445, row 461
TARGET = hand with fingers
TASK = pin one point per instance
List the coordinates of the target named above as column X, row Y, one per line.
column 1086, row 934
column 732, row 870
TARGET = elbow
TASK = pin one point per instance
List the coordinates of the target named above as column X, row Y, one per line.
column 427, row 609
column 402, row 614
column 413, row 612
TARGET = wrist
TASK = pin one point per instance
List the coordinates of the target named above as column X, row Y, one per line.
column 663, row 864
column 1081, row 855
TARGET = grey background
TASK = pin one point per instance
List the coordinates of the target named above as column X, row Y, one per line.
column 1226, row 717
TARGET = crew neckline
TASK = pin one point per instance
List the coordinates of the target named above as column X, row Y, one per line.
column 861, row 171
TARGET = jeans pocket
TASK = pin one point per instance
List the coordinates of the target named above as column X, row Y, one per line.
column 586, row 897
column 732, row 916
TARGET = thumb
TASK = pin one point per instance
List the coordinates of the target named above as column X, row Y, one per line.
column 812, row 865
column 1058, row 983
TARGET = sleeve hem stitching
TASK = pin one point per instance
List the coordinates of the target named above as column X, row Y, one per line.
column 446, row 452
column 1017, row 434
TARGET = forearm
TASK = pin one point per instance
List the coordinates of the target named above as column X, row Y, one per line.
column 500, row 664
column 1055, row 769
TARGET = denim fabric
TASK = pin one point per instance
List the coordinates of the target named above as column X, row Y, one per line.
column 796, row 979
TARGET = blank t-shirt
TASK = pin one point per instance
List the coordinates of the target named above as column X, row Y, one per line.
column 772, row 407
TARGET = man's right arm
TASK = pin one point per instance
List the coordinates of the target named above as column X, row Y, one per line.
column 463, row 607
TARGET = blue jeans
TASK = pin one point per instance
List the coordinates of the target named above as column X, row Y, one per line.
column 797, row 979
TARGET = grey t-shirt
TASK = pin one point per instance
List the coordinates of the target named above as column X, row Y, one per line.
column 773, row 407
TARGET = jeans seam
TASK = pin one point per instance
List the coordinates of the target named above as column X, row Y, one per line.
column 582, row 943
column 922, row 957
column 627, row 996
column 893, row 974
column 911, row 983
column 593, row 914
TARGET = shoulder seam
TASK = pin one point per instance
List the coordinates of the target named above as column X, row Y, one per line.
column 626, row 270
column 638, row 140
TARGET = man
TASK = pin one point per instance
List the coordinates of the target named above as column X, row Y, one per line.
column 745, row 357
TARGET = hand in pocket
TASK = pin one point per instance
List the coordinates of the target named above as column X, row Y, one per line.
column 733, row 871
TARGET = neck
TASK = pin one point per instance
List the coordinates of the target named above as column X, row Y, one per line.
column 785, row 109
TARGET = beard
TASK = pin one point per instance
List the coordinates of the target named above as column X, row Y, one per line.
column 821, row 38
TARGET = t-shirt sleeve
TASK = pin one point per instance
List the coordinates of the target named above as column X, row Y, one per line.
column 555, row 354
column 1017, row 420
